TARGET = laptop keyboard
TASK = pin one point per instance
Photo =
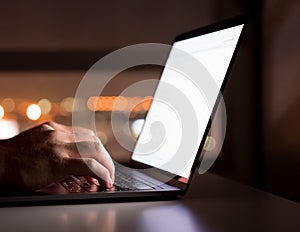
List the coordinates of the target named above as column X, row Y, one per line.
column 79, row 184
column 128, row 182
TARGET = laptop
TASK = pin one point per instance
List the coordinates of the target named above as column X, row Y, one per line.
column 171, row 141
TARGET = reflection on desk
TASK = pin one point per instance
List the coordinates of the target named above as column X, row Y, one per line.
column 212, row 204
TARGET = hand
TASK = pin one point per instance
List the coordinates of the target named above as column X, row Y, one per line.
column 47, row 153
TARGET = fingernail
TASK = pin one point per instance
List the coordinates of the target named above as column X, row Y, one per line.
column 110, row 182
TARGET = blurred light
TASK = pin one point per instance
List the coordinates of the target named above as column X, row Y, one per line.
column 92, row 103
column 104, row 102
column 45, row 106
column 33, row 112
column 80, row 105
column 102, row 136
column 66, row 105
column 8, row 104
column 9, row 128
column 137, row 103
column 146, row 103
column 136, row 127
column 210, row 143
column 119, row 103
column 1, row 112
column 110, row 103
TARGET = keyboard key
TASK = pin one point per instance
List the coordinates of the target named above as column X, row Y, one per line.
column 92, row 180
column 72, row 186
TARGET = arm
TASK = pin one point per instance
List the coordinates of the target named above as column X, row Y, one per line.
column 48, row 153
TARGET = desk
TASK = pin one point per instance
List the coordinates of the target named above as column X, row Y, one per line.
column 212, row 204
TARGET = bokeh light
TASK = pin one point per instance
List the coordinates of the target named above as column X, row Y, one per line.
column 136, row 127
column 102, row 136
column 92, row 103
column 45, row 106
column 1, row 112
column 9, row 128
column 210, row 143
column 66, row 106
column 8, row 105
column 119, row 103
column 33, row 112
column 146, row 103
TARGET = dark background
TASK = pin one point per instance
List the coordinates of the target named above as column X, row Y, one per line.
column 45, row 48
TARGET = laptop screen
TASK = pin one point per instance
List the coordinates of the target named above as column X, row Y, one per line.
column 161, row 137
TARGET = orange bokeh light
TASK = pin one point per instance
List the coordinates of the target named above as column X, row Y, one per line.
column 119, row 103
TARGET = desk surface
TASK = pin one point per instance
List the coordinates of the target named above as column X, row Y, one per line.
column 212, row 204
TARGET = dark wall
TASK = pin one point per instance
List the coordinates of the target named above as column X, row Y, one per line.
column 281, row 97
column 100, row 25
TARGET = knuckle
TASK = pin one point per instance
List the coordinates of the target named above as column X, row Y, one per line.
column 51, row 123
column 89, row 131
column 47, row 126
column 91, row 163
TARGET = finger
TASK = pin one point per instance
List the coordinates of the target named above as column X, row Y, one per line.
column 108, row 162
column 93, row 150
column 86, row 166
column 69, row 129
column 64, row 137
